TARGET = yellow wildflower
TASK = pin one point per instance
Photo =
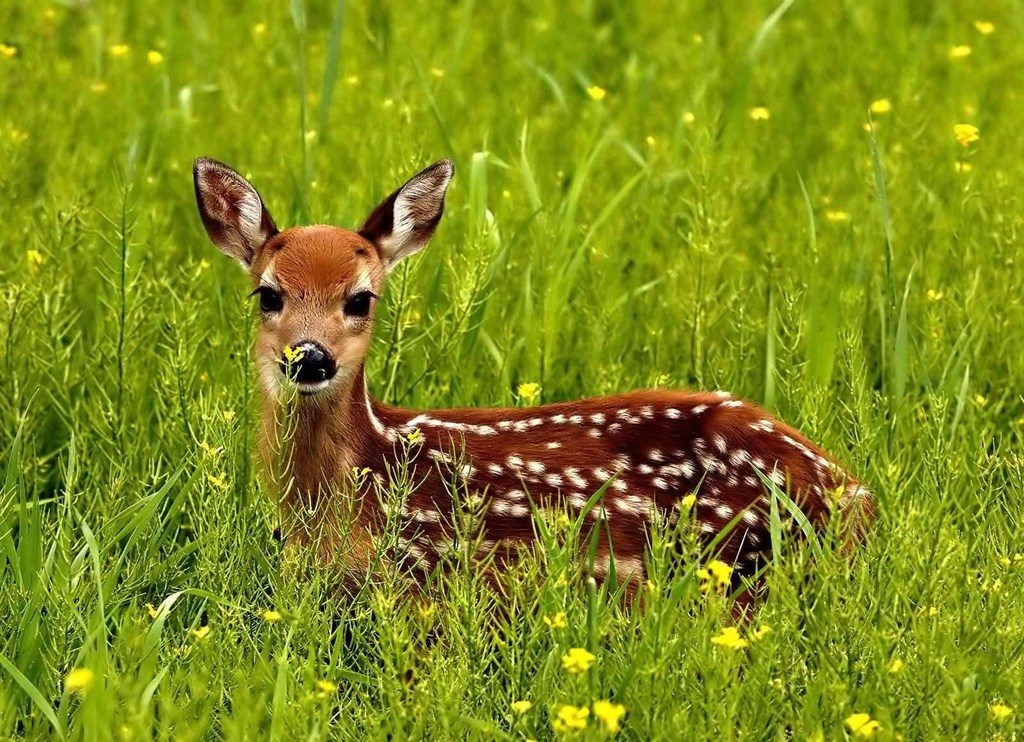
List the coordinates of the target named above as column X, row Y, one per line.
column 415, row 436
column 8, row 50
column 119, row 50
column 326, row 686
column 896, row 665
column 934, row 295
column 596, row 92
column 50, row 14
column 880, row 106
column 715, row 575
column 862, row 725
column 521, row 707
column 962, row 167
column 981, row 400
column 272, row 616
column 609, row 714
column 506, row 193
column 79, row 680
column 651, row 141
column 961, row 51
column 228, row 415
column 153, row 612
column 966, row 134
column 985, row 27
column 352, row 80
column 688, row 501
column 219, row 481
column 837, row 215
column 437, row 72
column 529, row 392
column 201, row 632
column 760, row 633
column 35, row 259
column 570, row 719
column 259, row 29
column 730, row 639
column 154, row 58
column 759, row 113
column 98, row 87
column 291, row 355
column 556, row 620
column 1000, row 711
column 689, row 117
column 578, row 660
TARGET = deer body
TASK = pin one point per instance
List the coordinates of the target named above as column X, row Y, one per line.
column 647, row 449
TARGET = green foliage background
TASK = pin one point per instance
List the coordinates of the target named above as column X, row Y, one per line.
column 868, row 293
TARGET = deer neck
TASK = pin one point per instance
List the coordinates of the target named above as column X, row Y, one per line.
column 312, row 444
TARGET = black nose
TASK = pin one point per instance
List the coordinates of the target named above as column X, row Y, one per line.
column 309, row 363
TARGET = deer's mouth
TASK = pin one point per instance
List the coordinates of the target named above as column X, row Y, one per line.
column 309, row 388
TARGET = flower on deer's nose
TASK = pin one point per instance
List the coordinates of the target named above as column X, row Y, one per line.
column 308, row 364
column 292, row 355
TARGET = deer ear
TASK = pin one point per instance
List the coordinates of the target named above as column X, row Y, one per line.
column 407, row 218
column 232, row 211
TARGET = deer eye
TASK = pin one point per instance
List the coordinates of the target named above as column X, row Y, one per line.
column 270, row 299
column 359, row 305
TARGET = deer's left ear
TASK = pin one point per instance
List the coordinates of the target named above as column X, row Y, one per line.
column 407, row 218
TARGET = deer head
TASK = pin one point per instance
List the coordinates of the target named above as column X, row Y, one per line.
column 317, row 286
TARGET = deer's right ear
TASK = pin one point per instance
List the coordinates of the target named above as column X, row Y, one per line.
column 232, row 211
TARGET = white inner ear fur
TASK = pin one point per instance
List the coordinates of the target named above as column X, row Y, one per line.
column 250, row 220
column 233, row 203
column 416, row 206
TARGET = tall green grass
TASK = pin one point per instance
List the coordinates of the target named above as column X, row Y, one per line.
column 861, row 284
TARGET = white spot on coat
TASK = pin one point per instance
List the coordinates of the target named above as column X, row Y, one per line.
column 573, row 475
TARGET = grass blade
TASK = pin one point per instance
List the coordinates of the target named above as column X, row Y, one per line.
column 34, row 693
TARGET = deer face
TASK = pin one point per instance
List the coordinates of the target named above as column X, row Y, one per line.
column 317, row 286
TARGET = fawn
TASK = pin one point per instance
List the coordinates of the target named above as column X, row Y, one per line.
column 318, row 287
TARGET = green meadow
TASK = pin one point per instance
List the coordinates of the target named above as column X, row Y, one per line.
column 778, row 200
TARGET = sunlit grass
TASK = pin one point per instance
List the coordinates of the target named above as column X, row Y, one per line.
column 815, row 206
